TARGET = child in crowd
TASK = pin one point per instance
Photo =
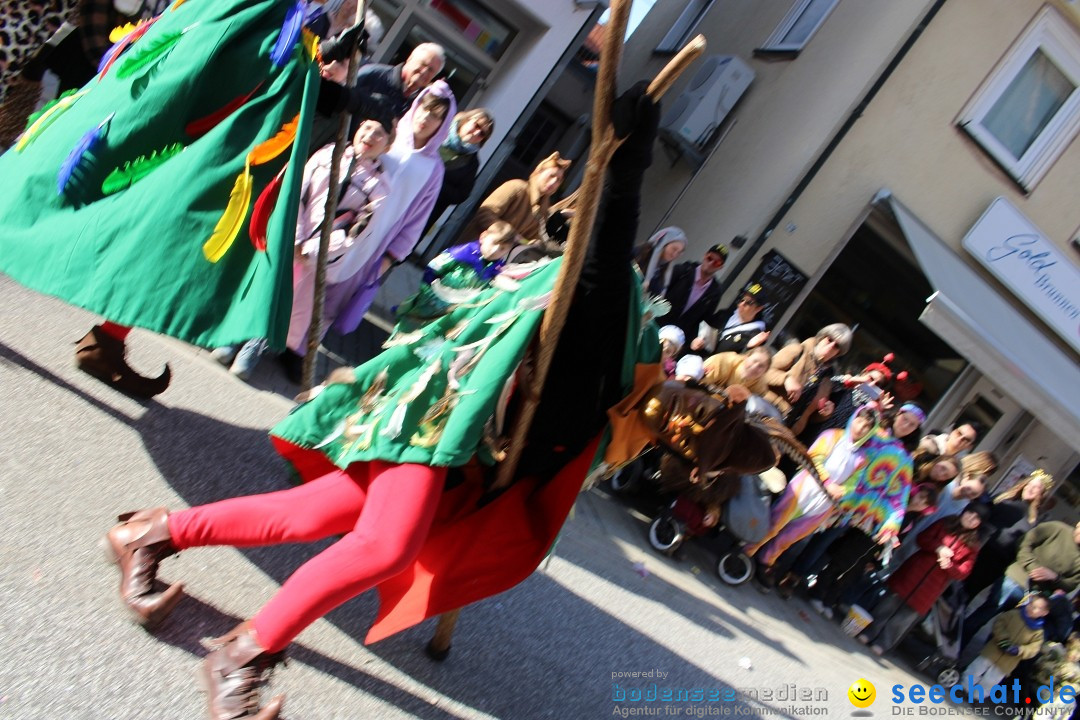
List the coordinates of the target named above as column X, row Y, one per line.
column 689, row 370
column 672, row 338
column 867, row 587
column 747, row 369
column 1017, row 635
column 946, row 552
column 920, row 504
column 940, row 470
column 363, row 189
column 456, row 274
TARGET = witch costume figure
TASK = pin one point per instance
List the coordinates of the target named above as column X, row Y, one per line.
column 161, row 194
column 396, row 456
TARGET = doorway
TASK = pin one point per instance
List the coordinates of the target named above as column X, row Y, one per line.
column 875, row 287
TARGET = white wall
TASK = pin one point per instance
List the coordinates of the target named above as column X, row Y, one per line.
column 529, row 59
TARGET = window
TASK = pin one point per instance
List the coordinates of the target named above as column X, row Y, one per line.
column 684, row 27
column 799, row 25
column 484, row 30
column 1028, row 110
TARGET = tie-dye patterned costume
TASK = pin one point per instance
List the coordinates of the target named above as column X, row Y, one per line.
column 877, row 493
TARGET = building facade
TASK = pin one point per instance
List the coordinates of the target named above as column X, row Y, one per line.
column 911, row 167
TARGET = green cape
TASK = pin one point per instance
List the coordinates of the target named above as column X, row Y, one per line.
column 135, row 255
column 435, row 395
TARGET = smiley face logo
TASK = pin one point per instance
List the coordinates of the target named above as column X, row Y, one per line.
column 862, row 693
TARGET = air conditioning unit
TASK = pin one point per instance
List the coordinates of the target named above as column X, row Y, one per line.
column 697, row 113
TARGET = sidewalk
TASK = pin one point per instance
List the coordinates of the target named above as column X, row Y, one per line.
column 563, row 644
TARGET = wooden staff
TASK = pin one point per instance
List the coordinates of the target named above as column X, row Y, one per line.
column 329, row 211
column 604, row 144
column 587, row 200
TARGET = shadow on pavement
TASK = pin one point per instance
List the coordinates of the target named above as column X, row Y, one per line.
column 206, row 460
column 538, row 650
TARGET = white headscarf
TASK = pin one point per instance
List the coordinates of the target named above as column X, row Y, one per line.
column 674, row 335
column 690, row 366
column 659, row 241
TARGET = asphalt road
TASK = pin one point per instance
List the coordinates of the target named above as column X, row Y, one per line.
column 563, row 644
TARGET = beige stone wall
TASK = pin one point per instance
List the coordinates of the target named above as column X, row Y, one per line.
column 782, row 122
column 908, row 141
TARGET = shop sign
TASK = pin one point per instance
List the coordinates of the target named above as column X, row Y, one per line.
column 1009, row 245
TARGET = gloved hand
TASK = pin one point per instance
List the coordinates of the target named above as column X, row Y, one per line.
column 337, row 48
column 635, row 117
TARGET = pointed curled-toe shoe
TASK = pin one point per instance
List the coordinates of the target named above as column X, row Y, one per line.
column 102, row 356
column 138, row 543
column 234, row 673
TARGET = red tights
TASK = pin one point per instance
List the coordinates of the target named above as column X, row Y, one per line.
column 383, row 510
column 120, row 332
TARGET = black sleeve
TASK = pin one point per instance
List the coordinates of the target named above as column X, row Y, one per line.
column 458, row 182
column 331, row 99
column 585, row 377
column 337, row 48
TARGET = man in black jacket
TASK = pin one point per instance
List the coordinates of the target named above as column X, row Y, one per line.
column 694, row 292
column 380, row 90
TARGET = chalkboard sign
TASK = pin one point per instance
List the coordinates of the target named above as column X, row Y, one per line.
column 781, row 282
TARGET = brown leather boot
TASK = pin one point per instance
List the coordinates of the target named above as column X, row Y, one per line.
column 234, row 673
column 137, row 544
column 102, row 356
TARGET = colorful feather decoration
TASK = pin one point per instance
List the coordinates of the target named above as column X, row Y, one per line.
column 135, row 170
column 310, row 42
column 47, row 118
column 153, row 52
column 78, row 153
column 290, row 33
column 119, row 32
column 110, row 57
column 264, row 206
column 267, row 150
column 116, row 47
column 201, row 126
column 228, row 227
column 177, row 4
column 49, row 106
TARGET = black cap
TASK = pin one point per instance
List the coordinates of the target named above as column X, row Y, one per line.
column 719, row 249
column 756, row 293
column 384, row 118
column 978, row 507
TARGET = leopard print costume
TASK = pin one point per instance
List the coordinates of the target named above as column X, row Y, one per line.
column 24, row 28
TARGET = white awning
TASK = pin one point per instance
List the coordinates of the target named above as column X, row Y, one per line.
column 981, row 325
